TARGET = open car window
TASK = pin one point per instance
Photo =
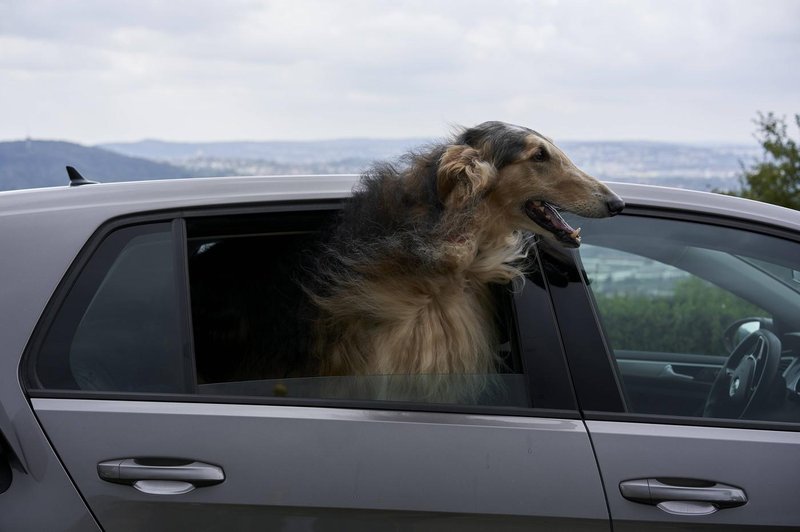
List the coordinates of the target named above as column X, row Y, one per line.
column 253, row 323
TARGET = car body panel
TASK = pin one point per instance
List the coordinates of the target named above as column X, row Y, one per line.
column 336, row 468
column 41, row 495
column 761, row 462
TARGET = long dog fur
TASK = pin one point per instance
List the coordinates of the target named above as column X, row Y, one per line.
column 403, row 285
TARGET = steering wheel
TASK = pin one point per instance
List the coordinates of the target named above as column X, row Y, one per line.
column 743, row 383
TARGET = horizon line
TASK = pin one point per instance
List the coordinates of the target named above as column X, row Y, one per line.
column 421, row 140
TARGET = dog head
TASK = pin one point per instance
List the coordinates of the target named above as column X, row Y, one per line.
column 525, row 178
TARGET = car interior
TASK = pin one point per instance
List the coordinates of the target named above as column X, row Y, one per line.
column 747, row 367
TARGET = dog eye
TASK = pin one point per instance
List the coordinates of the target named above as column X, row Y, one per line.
column 540, row 155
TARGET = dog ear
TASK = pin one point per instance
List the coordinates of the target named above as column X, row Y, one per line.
column 462, row 175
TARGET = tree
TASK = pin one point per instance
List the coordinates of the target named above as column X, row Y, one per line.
column 691, row 320
column 776, row 178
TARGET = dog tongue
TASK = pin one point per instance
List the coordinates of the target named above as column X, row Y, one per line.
column 547, row 216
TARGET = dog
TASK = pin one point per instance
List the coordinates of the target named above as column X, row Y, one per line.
column 402, row 286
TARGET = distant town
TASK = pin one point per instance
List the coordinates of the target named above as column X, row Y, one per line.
column 36, row 163
column 703, row 167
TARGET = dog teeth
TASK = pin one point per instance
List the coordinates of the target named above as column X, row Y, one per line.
column 576, row 234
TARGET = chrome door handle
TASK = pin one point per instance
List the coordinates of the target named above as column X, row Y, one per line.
column 160, row 476
column 683, row 496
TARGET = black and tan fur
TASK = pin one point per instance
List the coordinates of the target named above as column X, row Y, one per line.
column 403, row 285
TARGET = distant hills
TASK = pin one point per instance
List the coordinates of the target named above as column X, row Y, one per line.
column 279, row 152
column 41, row 163
column 38, row 163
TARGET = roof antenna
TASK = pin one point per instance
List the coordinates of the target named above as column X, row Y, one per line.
column 76, row 179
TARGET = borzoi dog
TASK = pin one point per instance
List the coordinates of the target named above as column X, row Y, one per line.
column 405, row 278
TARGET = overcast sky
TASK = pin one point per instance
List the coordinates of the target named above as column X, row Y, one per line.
column 95, row 71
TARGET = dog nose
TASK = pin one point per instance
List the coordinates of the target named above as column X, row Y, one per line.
column 615, row 205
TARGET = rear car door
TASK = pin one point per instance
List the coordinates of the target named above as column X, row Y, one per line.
column 682, row 335
column 166, row 374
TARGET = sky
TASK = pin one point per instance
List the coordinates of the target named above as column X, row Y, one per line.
column 93, row 71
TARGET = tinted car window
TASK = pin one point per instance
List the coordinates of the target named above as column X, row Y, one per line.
column 118, row 327
column 701, row 320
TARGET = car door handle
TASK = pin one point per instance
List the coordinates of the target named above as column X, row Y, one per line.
column 683, row 496
column 160, row 476
column 669, row 373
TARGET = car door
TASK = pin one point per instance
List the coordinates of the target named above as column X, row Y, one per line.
column 689, row 433
column 135, row 374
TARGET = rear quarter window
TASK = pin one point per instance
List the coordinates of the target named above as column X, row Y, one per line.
column 118, row 327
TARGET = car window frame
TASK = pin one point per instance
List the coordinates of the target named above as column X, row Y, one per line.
column 596, row 378
column 564, row 406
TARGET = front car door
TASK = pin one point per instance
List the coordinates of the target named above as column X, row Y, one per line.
column 682, row 335
column 152, row 375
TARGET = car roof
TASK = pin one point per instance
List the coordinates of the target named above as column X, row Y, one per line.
column 140, row 196
column 117, row 199
column 707, row 203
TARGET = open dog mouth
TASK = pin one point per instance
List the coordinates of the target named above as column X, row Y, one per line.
column 546, row 216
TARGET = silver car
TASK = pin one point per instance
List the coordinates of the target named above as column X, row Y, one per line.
column 151, row 375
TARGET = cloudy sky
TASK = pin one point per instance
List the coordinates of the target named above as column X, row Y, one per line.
column 95, row 71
